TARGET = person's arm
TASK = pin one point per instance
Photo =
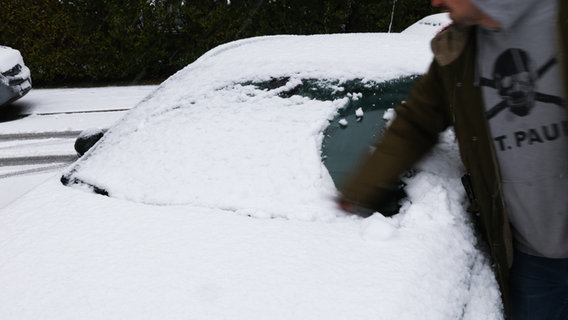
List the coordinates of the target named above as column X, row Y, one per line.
column 413, row 132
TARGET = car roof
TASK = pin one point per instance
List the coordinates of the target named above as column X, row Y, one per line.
column 430, row 25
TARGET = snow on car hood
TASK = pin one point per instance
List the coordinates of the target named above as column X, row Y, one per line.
column 207, row 137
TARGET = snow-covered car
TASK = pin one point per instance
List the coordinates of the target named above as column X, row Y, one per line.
column 213, row 198
column 15, row 76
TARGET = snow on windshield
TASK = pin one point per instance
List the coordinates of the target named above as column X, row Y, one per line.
column 207, row 138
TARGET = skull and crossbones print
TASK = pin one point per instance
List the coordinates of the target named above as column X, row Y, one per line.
column 514, row 78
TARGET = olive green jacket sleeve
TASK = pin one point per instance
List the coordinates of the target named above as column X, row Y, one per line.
column 415, row 129
column 413, row 132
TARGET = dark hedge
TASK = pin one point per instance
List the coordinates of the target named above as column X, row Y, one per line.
column 93, row 42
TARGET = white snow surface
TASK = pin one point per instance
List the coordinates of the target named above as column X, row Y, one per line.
column 233, row 146
column 429, row 26
column 205, row 223
column 9, row 57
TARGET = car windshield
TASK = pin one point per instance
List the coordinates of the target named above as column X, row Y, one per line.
column 248, row 145
column 358, row 124
column 255, row 129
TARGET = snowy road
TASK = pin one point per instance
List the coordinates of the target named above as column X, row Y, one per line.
column 38, row 131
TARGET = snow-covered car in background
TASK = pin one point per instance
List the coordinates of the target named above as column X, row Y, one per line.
column 15, row 76
column 213, row 199
column 429, row 26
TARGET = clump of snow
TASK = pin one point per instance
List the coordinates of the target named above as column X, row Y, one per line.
column 389, row 116
column 379, row 228
column 355, row 95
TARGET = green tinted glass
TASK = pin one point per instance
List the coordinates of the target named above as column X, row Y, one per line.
column 357, row 126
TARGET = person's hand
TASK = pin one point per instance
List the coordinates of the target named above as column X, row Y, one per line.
column 346, row 205
column 352, row 208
